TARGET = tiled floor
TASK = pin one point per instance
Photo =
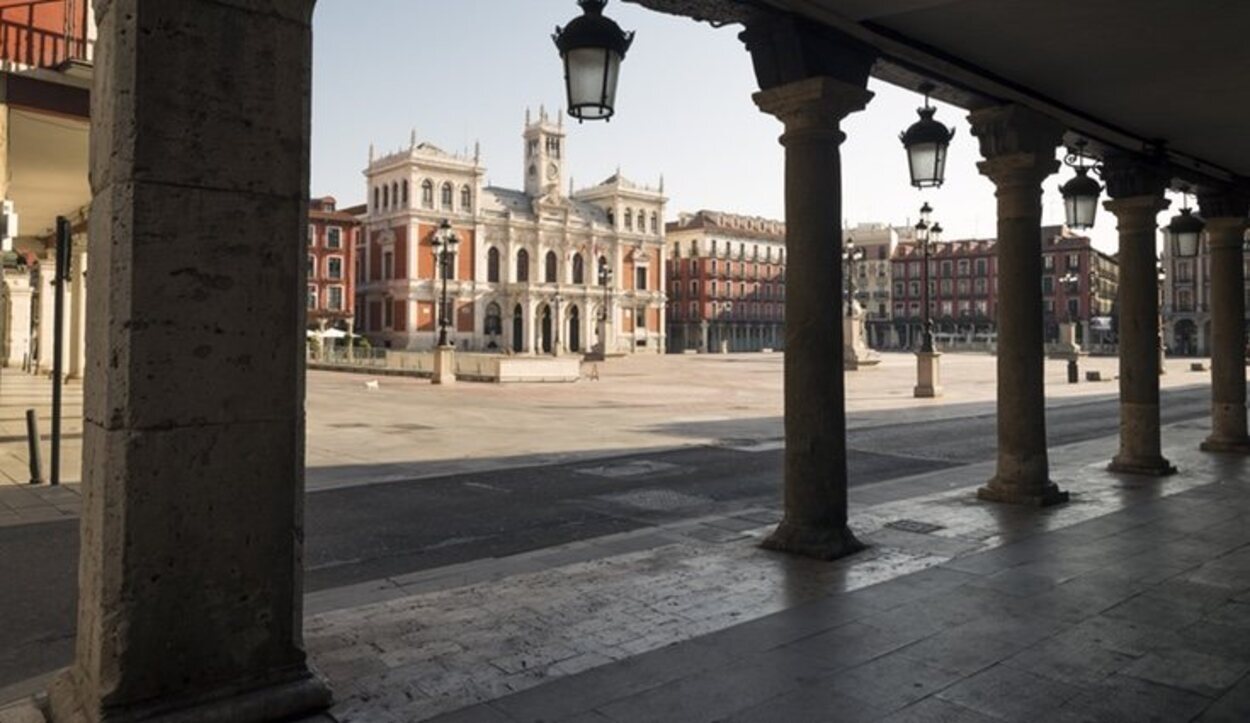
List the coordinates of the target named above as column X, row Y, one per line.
column 1130, row 603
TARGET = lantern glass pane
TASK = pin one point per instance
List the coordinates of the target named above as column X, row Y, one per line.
column 592, row 76
column 1080, row 210
column 1187, row 244
column 924, row 159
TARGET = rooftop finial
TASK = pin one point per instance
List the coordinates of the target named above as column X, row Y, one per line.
column 661, row 183
column 528, row 120
column 412, row 140
column 542, row 112
column 477, row 151
column 371, row 153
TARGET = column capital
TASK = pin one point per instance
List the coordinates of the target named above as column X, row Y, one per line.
column 1136, row 212
column 814, row 104
column 1228, row 201
column 1226, row 232
column 1013, row 130
column 1134, row 175
column 786, row 49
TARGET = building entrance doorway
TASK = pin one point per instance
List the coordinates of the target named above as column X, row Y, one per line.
column 545, row 330
column 575, row 330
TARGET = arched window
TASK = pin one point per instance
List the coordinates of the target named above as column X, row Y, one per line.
column 492, row 265
column 642, row 221
column 377, row 198
column 395, row 194
column 629, row 220
column 655, row 223
column 579, row 269
column 427, row 194
column 447, row 196
column 494, row 318
column 522, row 265
column 603, row 269
column 466, row 199
column 549, row 274
column 405, row 194
column 611, row 218
column 386, row 196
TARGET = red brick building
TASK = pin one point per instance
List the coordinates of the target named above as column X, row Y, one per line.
column 332, row 239
column 1079, row 284
column 45, row 33
column 726, row 283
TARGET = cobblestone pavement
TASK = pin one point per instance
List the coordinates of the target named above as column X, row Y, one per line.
column 956, row 604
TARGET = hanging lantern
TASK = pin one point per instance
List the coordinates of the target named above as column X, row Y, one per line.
column 1185, row 230
column 926, row 142
column 592, row 47
column 1081, row 193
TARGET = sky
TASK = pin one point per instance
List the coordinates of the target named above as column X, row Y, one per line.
column 465, row 71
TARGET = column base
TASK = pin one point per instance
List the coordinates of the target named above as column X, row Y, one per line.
column 996, row 490
column 444, row 365
column 302, row 694
column 1226, row 446
column 818, row 542
column 1151, row 467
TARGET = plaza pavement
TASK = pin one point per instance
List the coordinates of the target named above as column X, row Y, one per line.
column 409, row 429
column 1130, row 603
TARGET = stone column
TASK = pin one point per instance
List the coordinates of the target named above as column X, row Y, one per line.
column 815, row 522
column 1225, row 213
column 1135, row 185
column 1019, row 150
column 190, row 574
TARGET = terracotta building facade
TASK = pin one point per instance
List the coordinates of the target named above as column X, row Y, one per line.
column 535, row 271
column 726, row 283
column 333, row 236
column 1187, row 300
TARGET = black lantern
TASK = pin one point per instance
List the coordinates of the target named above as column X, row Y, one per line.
column 592, row 47
column 1080, row 195
column 926, row 143
column 1185, row 229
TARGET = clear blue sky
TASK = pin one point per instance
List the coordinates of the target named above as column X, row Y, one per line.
column 465, row 71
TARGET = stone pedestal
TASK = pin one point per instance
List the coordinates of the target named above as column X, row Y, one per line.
column 928, row 374
column 444, row 364
column 190, row 576
column 1136, row 187
column 1019, row 148
column 815, row 522
column 1067, row 347
column 1226, row 224
column 855, row 351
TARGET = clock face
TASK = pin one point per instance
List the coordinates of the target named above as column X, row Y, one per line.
column 553, row 171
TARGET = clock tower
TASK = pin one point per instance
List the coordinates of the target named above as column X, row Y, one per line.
column 544, row 155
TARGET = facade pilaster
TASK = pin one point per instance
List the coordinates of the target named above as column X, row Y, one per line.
column 1225, row 212
column 812, row 109
column 1136, row 185
column 190, row 595
column 1018, row 146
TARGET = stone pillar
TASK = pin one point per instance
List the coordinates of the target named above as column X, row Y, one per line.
column 1225, row 213
column 190, row 575
column 1136, row 185
column 815, row 522
column 1019, row 150
column 17, row 326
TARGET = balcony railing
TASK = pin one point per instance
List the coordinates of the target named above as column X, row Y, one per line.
column 30, row 46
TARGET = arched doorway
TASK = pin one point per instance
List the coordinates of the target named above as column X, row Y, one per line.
column 545, row 330
column 518, row 329
column 575, row 330
column 494, row 325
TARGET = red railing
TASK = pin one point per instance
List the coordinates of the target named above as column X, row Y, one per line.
column 25, row 43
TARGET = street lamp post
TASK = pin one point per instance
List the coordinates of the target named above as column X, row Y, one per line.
column 851, row 255
column 928, row 369
column 605, row 280
column 1067, row 330
column 444, row 245
column 555, row 323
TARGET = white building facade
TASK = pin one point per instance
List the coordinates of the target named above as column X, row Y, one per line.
column 525, row 278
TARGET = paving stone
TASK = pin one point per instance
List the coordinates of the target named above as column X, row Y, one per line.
column 1009, row 694
column 811, row 703
column 1207, row 675
column 1166, row 612
column 1232, row 707
column 1071, row 660
column 1129, row 700
column 936, row 710
column 961, row 651
column 892, row 681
